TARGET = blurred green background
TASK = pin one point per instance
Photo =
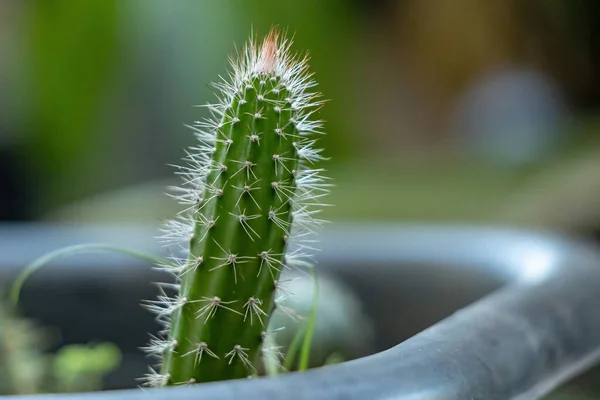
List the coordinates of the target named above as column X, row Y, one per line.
column 443, row 111
column 457, row 111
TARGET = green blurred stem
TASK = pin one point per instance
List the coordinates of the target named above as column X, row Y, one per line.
column 310, row 329
column 69, row 251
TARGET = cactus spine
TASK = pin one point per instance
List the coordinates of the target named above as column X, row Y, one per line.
column 251, row 193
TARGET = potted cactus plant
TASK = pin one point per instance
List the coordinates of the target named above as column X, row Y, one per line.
column 527, row 318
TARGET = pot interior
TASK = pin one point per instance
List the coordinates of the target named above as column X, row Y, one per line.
column 98, row 299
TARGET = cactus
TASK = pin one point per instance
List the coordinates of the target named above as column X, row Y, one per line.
column 251, row 194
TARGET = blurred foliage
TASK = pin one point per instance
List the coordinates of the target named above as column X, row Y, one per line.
column 103, row 82
column 449, row 188
column 22, row 362
column 73, row 51
column 105, row 86
column 80, row 368
column 26, row 367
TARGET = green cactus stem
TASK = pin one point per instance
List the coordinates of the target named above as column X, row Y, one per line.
column 251, row 193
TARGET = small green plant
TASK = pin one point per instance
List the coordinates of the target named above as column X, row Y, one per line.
column 250, row 192
column 22, row 362
column 26, row 367
column 80, row 368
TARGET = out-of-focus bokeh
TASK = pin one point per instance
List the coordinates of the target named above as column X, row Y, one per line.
column 461, row 111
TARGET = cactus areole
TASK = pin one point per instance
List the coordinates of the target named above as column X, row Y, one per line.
column 251, row 194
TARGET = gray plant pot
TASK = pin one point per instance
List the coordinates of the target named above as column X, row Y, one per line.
column 459, row 312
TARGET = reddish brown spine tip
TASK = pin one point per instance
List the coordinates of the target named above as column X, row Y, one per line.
column 267, row 59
